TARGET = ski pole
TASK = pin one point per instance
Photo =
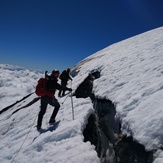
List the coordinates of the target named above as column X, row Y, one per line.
column 72, row 103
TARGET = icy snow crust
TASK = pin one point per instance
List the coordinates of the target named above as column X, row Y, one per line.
column 51, row 145
column 131, row 76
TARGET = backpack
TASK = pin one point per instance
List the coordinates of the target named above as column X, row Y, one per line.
column 41, row 87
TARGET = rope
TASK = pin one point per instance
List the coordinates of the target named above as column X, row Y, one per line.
column 23, row 141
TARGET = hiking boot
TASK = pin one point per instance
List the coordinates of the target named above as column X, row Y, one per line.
column 52, row 121
column 38, row 127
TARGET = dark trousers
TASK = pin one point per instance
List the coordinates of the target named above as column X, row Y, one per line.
column 62, row 92
column 45, row 100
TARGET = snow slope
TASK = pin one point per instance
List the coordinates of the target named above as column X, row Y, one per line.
column 20, row 142
column 63, row 144
column 131, row 77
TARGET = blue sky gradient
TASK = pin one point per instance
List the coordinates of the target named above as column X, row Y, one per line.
column 49, row 34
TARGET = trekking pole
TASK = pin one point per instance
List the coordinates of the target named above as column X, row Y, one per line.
column 72, row 103
column 65, row 99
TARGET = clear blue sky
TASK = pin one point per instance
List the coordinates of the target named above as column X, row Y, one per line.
column 49, row 34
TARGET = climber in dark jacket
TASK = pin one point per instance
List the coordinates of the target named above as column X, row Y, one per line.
column 52, row 85
column 65, row 76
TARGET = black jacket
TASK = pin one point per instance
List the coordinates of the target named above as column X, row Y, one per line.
column 52, row 85
column 65, row 76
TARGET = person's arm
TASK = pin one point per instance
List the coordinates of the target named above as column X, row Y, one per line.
column 60, row 87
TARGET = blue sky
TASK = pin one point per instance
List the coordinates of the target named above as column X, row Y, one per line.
column 49, row 34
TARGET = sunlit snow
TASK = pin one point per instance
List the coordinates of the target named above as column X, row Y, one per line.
column 131, row 77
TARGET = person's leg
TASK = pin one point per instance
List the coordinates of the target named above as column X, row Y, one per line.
column 42, row 112
column 64, row 85
column 56, row 105
column 63, row 93
column 60, row 91
column 59, row 94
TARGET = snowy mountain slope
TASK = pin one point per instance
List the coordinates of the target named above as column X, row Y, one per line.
column 131, row 75
column 61, row 144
